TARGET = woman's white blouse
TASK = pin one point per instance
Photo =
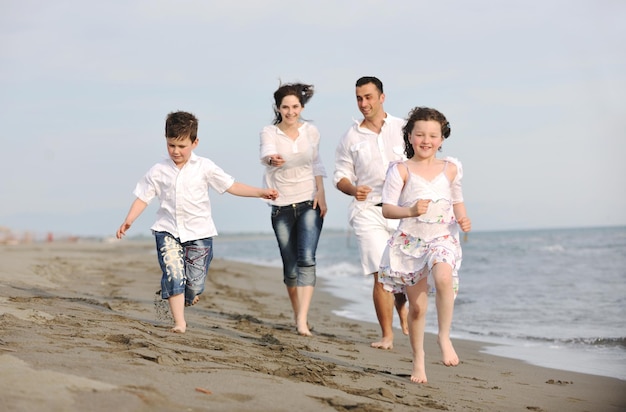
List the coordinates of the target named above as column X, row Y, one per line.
column 295, row 179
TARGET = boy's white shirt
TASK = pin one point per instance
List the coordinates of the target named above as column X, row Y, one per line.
column 184, row 204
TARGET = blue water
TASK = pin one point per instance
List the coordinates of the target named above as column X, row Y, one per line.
column 553, row 298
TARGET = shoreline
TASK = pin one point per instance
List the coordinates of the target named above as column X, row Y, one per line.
column 78, row 330
column 556, row 354
column 543, row 354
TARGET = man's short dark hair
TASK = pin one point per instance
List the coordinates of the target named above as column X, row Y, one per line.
column 370, row 79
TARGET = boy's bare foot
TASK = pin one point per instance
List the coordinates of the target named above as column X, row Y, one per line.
column 449, row 356
column 384, row 343
column 195, row 300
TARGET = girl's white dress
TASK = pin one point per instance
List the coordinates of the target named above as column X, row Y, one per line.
column 421, row 242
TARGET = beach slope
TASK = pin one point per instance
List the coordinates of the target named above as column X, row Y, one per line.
column 81, row 328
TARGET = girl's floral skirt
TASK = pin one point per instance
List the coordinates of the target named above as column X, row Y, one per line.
column 408, row 259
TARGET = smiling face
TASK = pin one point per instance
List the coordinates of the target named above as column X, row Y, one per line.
column 426, row 138
column 290, row 109
column 370, row 100
column 180, row 150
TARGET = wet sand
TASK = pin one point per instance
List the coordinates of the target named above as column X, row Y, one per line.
column 82, row 329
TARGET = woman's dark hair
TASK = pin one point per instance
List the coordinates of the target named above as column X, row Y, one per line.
column 423, row 113
column 303, row 92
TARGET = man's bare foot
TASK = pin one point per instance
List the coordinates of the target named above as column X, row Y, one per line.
column 404, row 324
column 384, row 343
column 403, row 311
column 418, row 375
column 448, row 354
column 179, row 329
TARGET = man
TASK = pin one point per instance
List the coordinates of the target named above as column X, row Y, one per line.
column 361, row 161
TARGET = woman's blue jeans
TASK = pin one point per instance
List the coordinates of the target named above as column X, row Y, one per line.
column 297, row 228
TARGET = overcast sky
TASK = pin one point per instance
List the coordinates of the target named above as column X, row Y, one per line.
column 535, row 92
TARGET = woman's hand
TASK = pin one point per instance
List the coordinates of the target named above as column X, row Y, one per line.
column 275, row 160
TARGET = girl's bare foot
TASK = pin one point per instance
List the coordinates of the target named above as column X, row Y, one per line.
column 384, row 343
column 448, row 353
column 418, row 375
column 179, row 329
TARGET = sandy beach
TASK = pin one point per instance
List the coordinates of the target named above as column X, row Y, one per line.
column 82, row 329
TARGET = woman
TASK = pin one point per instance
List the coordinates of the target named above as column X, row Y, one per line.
column 290, row 153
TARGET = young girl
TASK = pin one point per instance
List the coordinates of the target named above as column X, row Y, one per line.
column 424, row 253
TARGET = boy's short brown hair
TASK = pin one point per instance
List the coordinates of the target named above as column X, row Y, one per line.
column 180, row 125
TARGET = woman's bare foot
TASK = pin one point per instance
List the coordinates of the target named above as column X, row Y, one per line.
column 448, row 354
column 418, row 375
column 179, row 328
column 384, row 343
column 304, row 329
column 304, row 332
column 308, row 325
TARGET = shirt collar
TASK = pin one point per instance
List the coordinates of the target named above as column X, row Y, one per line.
column 192, row 159
column 358, row 122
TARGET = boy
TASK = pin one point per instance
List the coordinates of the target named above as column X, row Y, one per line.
column 184, row 228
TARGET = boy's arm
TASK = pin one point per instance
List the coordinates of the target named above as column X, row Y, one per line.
column 136, row 209
column 461, row 216
column 243, row 190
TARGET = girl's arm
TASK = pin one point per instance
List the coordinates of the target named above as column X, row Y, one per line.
column 394, row 183
column 461, row 217
column 136, row 208
column 398, row 212
column 456, row 174
column 243, row 190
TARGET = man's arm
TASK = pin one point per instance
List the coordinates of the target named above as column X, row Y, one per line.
column 359, row 192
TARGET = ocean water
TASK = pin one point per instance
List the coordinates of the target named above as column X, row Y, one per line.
column 553, row 298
